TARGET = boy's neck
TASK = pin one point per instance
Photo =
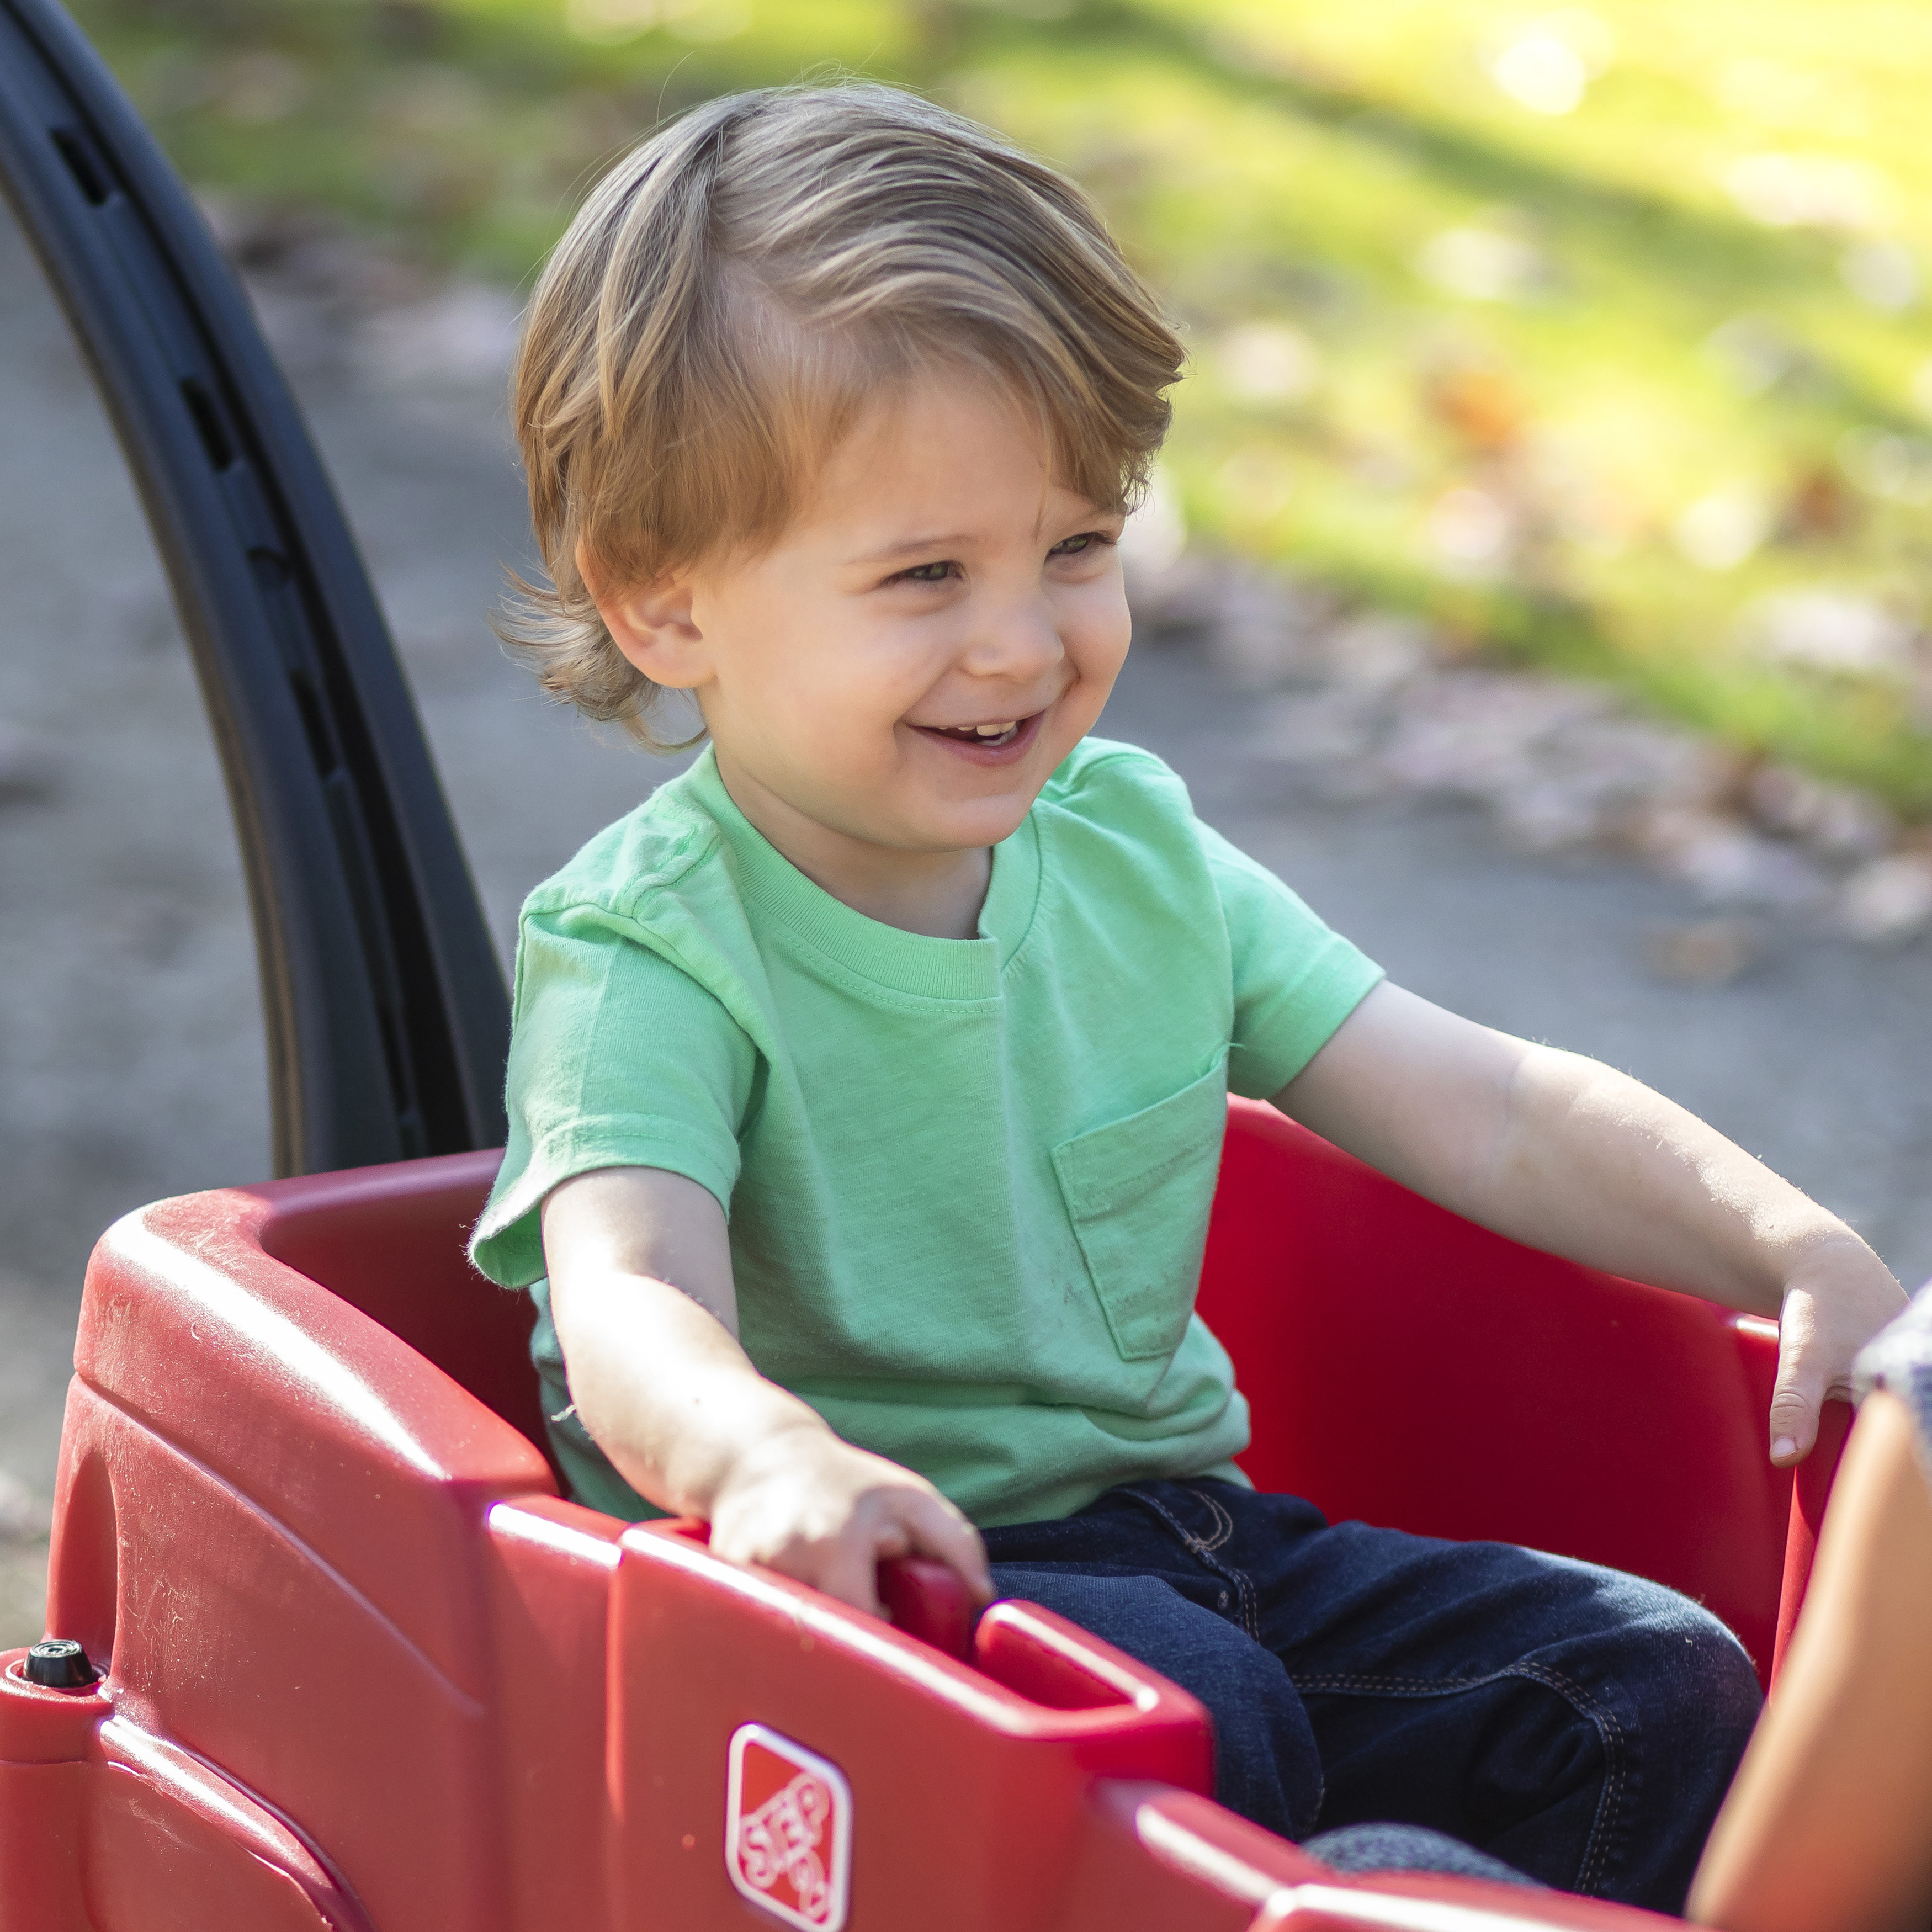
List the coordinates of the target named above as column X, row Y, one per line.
column 939, row 894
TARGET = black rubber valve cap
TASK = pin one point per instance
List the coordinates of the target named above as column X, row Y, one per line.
column 59, row 1663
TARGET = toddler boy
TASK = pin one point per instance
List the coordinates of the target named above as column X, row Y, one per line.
column 868, row 1081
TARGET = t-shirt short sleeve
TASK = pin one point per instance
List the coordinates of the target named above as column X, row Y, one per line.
column 618, row 1058
column 1295, row 980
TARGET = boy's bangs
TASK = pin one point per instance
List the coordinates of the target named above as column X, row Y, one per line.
column 782, row 400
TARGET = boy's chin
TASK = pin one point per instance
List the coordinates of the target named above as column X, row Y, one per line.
column 941, row 831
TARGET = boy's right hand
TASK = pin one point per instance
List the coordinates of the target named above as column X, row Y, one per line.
column 803, row 1502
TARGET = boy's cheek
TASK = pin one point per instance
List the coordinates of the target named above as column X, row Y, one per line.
column 1099, row 662
column 1102, row 621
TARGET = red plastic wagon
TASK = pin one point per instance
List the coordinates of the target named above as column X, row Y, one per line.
column 345, row 1659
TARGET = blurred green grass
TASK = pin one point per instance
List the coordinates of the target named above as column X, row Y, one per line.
column 1596, row 335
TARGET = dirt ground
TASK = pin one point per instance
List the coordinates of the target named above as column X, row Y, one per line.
column 130, row 1059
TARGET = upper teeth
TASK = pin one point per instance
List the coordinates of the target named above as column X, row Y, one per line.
column 995, row 731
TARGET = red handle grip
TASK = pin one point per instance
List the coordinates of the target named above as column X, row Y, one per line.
column 929, row 1601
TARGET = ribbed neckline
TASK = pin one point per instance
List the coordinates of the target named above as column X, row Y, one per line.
column 907, row 962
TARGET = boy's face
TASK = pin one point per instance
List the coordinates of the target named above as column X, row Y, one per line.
column 901, row 671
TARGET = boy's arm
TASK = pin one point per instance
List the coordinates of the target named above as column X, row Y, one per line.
column 645, row 1312
column 1565, row 1154
column 1829, row 1820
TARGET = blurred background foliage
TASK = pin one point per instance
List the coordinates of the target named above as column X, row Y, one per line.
column 1596, row 336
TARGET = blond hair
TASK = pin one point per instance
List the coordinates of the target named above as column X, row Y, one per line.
column 739, row 286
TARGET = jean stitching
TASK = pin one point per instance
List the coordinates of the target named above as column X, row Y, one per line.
column 1251, row 1620
column 1596, row 1851
column 1194, row 1545
column 1225, row 1521
column 1609, row 1730
column 1202, row 1551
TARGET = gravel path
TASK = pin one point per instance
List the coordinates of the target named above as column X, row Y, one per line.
column 130, row 1058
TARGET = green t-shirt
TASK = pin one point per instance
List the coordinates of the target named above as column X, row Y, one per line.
column 967, row 1180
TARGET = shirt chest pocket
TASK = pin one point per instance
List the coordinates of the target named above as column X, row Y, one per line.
column 1138, row 1192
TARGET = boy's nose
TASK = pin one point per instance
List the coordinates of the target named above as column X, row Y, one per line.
column 1018, row 640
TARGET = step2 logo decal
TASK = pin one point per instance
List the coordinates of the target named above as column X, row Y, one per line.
column 788, row 1829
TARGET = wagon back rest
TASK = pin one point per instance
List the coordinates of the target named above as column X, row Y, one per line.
column 391, row 1241
column 1408, row 1368
column 1402, row 1366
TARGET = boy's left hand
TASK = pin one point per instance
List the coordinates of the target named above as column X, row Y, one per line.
column 1837, row 1295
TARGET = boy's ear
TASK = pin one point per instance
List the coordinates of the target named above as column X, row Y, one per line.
column 651, row 625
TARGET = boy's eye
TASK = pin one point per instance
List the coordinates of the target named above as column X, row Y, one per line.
column 1078, row 546
column 927, row 573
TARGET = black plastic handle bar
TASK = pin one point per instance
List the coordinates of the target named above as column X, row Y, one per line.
column 386, row 1014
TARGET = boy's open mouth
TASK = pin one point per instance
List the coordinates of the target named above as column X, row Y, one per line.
column 998, row 735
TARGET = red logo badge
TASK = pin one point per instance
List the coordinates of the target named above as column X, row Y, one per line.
column 788, row 1830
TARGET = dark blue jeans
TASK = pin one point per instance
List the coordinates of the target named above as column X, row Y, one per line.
column 1579, row 1723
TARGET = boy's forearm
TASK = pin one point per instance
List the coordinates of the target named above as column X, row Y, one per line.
column 692, row 1426
column 1590, row 1164
column 1561, row 1153
column 641, row 1292
column 645, row 1309
column 1566, row 1155
column 666, row 1391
